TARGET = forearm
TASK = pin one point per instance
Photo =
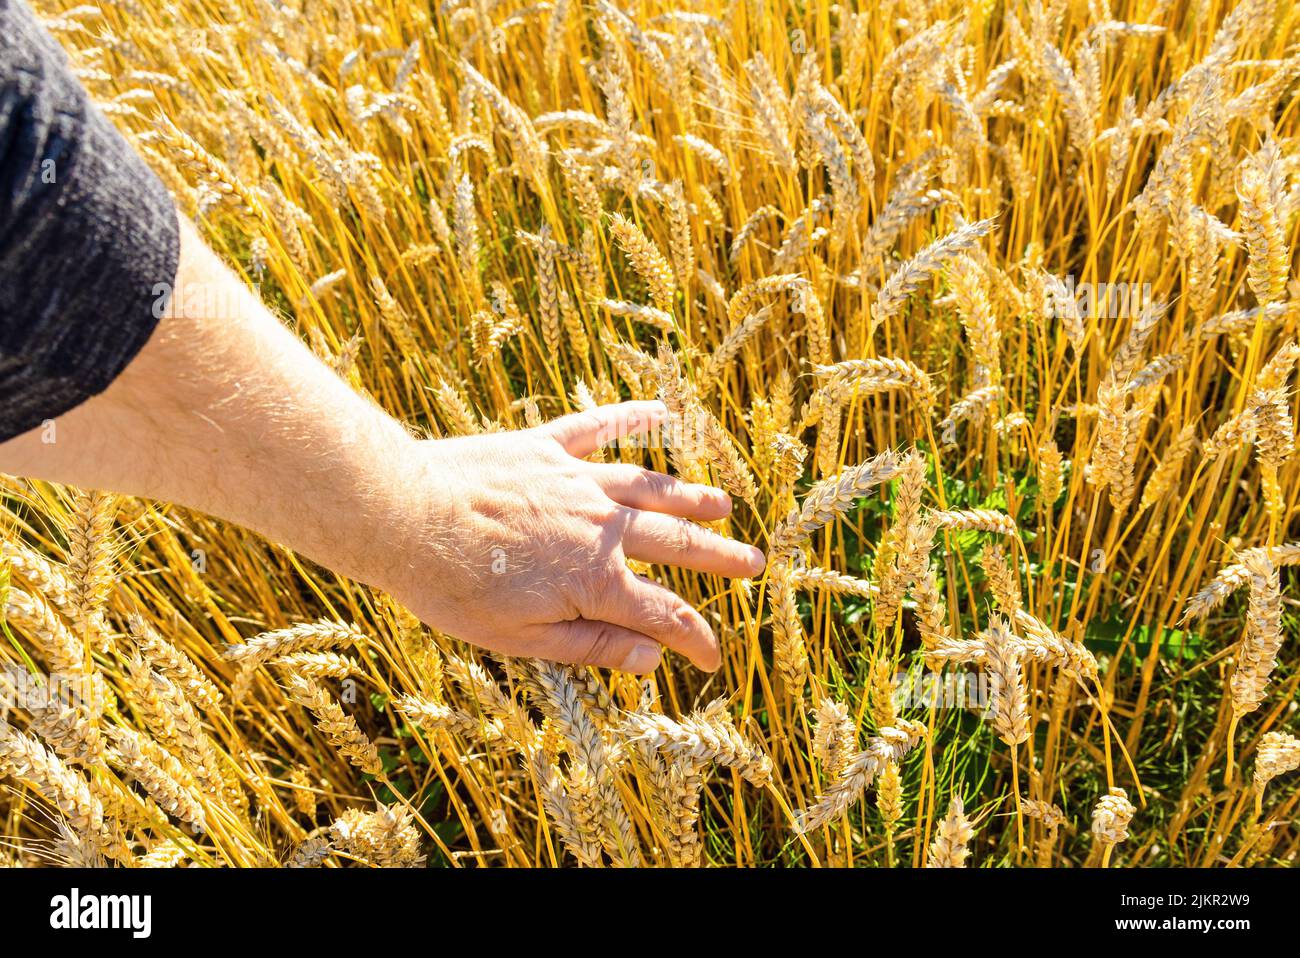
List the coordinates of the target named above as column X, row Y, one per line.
column 225, row 411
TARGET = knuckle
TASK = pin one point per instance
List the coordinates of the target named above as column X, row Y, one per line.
column 598, row 588
column 544, row 443
column 625, row 474
column 585, row 589
column 600, row 645
column 551, row 451
column 594, row 424
column 603, row 511
column 656, row 485
column 683, row 620
column 682, row 537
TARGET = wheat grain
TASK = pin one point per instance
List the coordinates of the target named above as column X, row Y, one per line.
column 950, row 847
column 340, row 728
column 889, row 745
column 830, row 498
column 313, row 636
column 385, row 838
column 1008, row 705
column 174, row 664
column 1111, row 818
column 1257, row 653
column 90, row 565
column 646, row 259
column 704, row 736
column 917, row 270
column 973, row 520
column 1277, row 754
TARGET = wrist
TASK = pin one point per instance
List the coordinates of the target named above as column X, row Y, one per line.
column 357, row 507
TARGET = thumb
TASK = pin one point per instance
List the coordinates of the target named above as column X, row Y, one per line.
column 602, row 644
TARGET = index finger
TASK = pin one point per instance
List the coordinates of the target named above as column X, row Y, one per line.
column 668, row 540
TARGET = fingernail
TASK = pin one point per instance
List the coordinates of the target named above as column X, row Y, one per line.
column 757, row 559
column 721, row 498
column 643, row 658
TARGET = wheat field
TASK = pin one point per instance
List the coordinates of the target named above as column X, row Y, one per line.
column 984, row 314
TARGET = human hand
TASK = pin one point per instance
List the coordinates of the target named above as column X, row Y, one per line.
column 518, row 544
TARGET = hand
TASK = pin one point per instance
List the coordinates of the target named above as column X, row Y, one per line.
column 526, row 545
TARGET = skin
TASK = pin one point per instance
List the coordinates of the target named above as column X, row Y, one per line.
column 511, row 541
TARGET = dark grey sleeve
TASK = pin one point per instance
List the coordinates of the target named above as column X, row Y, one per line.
column 87, row 232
